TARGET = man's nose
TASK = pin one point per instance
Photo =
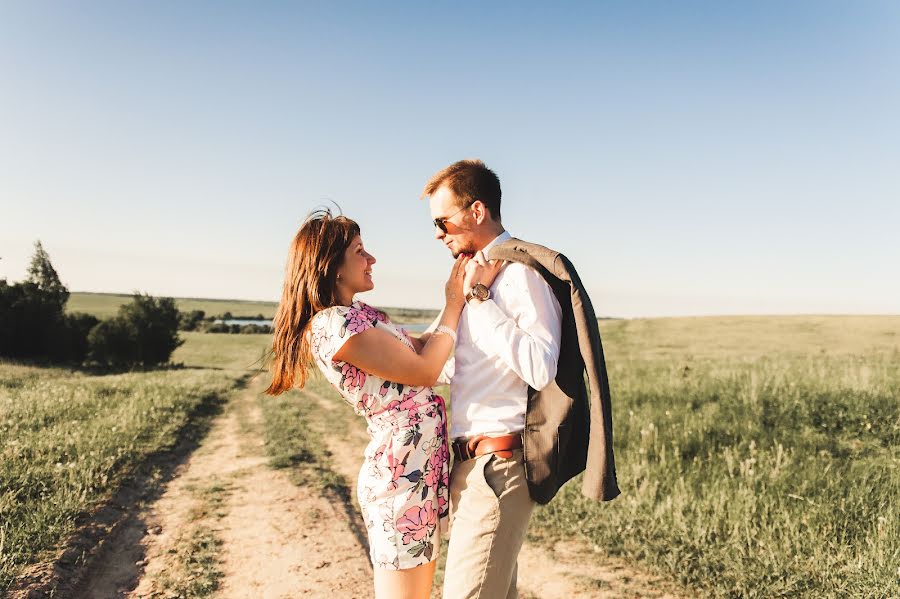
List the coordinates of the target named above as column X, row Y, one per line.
column 438, row 233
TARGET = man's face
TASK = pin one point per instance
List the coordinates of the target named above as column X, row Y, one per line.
column 459, row 237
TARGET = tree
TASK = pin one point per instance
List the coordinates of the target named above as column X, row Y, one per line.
column 32, row 314
column 156, row 322
column 114, row 343
column 78, row 327
column 143, row 333
column 43, row 275
column 189, row 321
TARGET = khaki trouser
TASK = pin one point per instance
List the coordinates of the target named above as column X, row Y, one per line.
column 490, row 508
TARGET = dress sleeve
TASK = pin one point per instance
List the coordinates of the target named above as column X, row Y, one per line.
column 331, row 330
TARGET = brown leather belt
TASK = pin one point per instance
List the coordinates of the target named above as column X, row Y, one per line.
column 466, row 449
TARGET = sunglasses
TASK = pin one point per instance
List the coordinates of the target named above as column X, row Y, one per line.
column 441, row 223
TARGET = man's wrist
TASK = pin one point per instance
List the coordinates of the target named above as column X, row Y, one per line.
column 479, row 293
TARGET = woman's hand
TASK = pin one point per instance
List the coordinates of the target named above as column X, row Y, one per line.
column 420, row 341
column 453, row 290
column 480, row 270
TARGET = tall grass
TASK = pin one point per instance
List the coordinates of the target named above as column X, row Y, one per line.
column 69, row 439
column 753, row 470
column 758, row 457
column 294, row 430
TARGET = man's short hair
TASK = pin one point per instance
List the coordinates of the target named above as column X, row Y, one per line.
column 469, row 180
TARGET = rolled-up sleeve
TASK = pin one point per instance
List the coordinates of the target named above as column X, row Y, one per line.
column 526, row 336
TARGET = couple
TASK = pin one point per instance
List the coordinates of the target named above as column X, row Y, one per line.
column 524, row 418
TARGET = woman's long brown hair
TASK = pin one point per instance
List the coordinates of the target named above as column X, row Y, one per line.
column 310, row 278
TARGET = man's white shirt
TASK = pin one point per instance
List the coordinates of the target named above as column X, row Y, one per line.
column 505, row 345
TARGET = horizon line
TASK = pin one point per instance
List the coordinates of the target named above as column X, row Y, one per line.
column 607, row 317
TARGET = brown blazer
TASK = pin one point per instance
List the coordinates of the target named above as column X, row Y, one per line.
column 567, row 430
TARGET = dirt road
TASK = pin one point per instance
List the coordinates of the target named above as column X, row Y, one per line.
column 230, row 526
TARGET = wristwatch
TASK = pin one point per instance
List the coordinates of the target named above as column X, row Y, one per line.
column 479, row 292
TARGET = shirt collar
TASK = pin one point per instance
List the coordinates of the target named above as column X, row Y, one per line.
column 496, row 241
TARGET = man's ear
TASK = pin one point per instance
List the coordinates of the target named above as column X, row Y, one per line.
column 479, row 211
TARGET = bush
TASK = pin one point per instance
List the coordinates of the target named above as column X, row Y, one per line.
column 251, row 329
column 77, row 328
column 190, row 321
column 114, row 342
column 145, row 333
column 33, row 323
column 33, row 326
column 156, row 321
column 24, row 317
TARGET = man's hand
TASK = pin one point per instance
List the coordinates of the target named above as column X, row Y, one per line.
column 480, row 270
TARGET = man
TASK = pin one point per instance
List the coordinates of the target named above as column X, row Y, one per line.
column 520, row 420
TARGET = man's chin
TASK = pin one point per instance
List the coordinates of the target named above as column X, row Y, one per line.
column 467, row 251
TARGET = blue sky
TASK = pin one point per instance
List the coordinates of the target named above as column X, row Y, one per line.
column 691, row 158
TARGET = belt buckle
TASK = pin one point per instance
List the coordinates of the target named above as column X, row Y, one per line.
column 472, row 446
column 464, row 452
column 459, row 451
column 464, row 449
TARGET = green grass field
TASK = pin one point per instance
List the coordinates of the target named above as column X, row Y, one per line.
column 758, row 456
column 105, row 305
column 69, row 439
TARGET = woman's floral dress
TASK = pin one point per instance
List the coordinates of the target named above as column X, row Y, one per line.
column 403, row 482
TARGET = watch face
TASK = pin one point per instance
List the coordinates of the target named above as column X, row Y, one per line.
column 481, row 292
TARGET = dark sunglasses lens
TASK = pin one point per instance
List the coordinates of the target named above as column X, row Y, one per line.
column 440, row 225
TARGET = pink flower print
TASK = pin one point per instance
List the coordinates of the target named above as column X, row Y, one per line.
column 365, row 404
column 352, row 378
column 379, row 452
column 397, row 470
column 357, row 321
column 407, row 404
column 372, row 314
column 429, row 411
column 433, row 473
column 417, row 523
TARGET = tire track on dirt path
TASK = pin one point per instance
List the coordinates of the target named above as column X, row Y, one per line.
column 272, row 539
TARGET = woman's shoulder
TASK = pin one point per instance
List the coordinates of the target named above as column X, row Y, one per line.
column 371, row 313
column 326, row 313
column 356, row 318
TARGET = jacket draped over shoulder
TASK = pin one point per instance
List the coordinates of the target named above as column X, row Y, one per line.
column 568, row 424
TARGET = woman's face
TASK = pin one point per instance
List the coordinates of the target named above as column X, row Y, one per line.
column 355, row 274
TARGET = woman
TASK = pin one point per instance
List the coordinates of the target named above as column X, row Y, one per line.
column 387, row 377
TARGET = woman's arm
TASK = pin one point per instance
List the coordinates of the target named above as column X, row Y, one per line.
column 420, row 341
column 380, row 353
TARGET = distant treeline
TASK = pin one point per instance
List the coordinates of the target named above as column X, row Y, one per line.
column 34, row 325
column 197, row 320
